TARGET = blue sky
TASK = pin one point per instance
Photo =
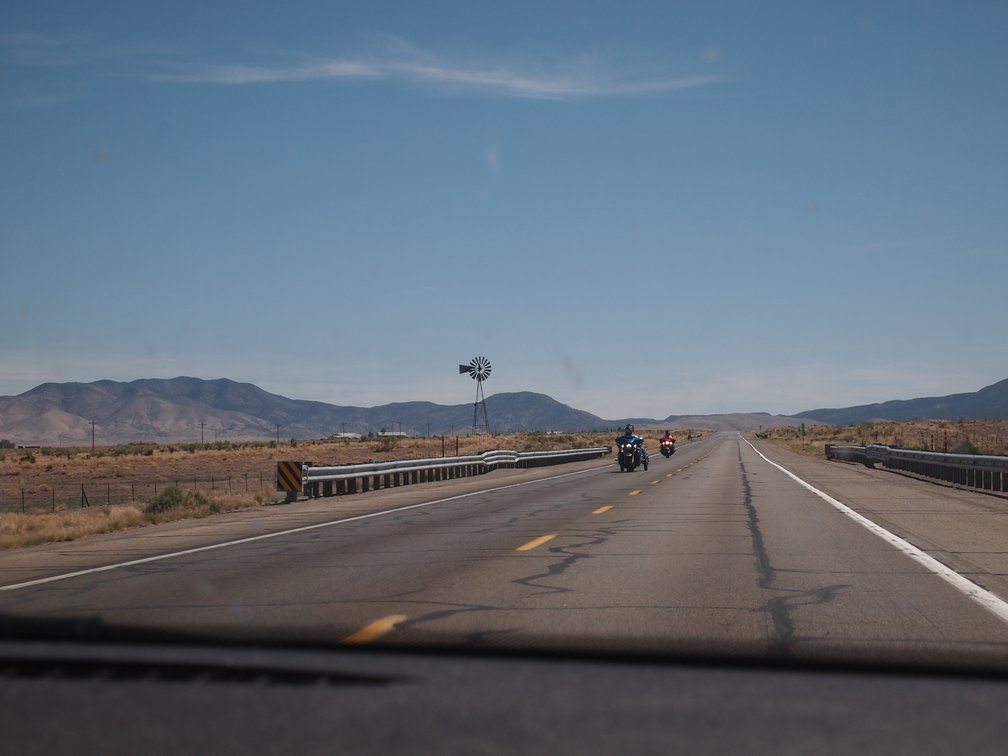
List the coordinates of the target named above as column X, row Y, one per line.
column 637, row 208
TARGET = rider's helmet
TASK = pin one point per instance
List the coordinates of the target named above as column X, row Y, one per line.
column 629, row 429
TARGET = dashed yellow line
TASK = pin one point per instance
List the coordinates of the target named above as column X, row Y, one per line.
column 375, row 630
column 634, row 492
column 602, row 510
column 654, row 482
column 536, row 542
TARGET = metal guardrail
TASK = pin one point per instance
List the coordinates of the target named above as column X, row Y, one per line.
column 337, row 480
column 983, row 472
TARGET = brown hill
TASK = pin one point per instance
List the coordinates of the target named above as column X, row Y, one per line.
column 192, row 409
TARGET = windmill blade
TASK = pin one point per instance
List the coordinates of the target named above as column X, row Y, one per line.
column 481, row 368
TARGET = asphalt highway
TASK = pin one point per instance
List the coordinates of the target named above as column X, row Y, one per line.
column 714, row 550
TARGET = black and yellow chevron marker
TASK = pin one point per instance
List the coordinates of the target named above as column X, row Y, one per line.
column 288, row 476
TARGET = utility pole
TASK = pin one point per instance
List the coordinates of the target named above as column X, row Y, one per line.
column 278, row 434
column 92, row 435
column 202, row 443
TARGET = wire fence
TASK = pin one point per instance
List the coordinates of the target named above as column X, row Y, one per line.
column 64, row 495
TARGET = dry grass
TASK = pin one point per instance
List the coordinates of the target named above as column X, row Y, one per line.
column 18, row 530
column 961, row 436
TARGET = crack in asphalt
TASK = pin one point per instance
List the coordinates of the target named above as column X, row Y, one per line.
column 558, row 568
column 779, row 608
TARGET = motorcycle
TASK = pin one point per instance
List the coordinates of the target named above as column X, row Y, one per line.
column 667, row 446
column 631, row 455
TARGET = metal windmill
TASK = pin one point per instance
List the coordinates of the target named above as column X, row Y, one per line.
column 479, row 371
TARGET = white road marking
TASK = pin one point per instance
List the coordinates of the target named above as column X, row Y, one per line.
column 279, row 533
column 989, row 601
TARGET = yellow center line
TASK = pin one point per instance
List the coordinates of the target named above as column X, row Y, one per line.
column 537, row 542
column 669, row 475
column 602, row 510
column 634, row 492
column 655, row 482
column 376, row 629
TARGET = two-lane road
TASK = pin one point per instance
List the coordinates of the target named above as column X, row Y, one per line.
column 714, row 550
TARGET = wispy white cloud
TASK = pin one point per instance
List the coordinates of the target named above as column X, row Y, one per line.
column 21, row 48
column 570, row 79
column 39, row 69
column 30, row 102
column 391, row 59
column 28, row 49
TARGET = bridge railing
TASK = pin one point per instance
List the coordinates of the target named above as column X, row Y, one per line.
column 336, row 480
column 983, row 472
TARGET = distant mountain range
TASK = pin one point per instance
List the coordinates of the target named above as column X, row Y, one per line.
column 989, row 403
column 191, row 409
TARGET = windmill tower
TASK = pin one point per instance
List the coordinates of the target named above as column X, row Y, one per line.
column 479, row 371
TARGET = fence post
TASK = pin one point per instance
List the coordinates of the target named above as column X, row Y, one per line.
column 83, row 497
column 22, row 501
column 54, row 498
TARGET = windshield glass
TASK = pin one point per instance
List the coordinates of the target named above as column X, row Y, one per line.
column 245, row 248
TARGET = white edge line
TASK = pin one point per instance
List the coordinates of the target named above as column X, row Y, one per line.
column 995, row 605
column 291, row 531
